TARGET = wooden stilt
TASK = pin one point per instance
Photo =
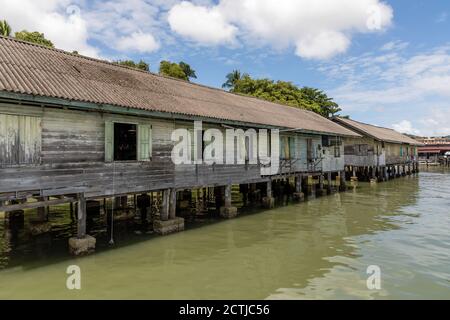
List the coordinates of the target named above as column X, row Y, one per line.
column 173, row 204
column 164, row 215
column 81, row 218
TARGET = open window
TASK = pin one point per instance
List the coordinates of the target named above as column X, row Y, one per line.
column 127, row 142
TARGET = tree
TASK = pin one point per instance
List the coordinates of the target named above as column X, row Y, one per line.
column 232, row 78
column 142, row 65
column 5, row 28
column 34, row 37
column 282, row 92
column 328, row 107
column 173, row 70
column 188, row 71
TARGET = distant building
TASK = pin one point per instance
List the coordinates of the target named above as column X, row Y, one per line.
column 433, row 140
column 434, row 148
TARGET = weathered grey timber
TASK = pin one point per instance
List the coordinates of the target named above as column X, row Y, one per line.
column 59, row 115
column 366, row 157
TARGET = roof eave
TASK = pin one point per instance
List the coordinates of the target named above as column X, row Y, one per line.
column 80, row 105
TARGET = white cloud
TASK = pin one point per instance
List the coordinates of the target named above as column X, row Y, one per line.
column 442, row 17
column 318, row 29
column 412, row 89
column 65, row 27
column 405, row 126
column 201, row 24
column 138, row 41
column 121, row 25
column 394, row 46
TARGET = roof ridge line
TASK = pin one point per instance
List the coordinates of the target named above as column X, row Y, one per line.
column 152, row 73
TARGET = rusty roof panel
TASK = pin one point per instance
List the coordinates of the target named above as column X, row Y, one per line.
column 32, row 69
column 379, row 133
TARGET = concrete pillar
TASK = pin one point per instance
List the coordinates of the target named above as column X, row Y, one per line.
column 269, row 200
column 228, row 211
column 81, row 244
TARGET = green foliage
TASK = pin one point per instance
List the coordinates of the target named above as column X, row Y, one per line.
column 328, row 107
column 232, row 78
column 142, row 65
column 5, row 28
column 34, row 37
column 282, row 92
column 180, row 70
column 188, row 71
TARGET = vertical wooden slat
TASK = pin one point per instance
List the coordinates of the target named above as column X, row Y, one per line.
column 109, row 141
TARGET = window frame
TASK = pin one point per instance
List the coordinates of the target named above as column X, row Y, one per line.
column 138, row 144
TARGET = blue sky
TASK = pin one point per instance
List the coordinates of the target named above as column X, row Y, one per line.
column 384, row 62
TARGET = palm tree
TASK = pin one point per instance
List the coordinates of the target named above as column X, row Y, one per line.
column 232, row 78
column 190, row 73
column 5, row 28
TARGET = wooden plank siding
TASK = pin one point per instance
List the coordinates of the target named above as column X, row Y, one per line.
column 367, row 151
column 71, row 152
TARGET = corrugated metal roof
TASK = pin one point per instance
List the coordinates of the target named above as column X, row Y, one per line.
column 36, row 70
column 379, row 133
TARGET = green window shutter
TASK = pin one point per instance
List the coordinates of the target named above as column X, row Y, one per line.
column 109, row 141
column 401, row 151
column 145, row 142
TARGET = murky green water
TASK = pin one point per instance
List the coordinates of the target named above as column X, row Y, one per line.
column 317, row 249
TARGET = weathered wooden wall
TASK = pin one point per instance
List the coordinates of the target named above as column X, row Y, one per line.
column 367, row 151
column 68, row 156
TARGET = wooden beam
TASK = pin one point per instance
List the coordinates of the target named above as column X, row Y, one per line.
column 164, row 215
column 34, row 205
column 173, row 204
column 81, row 221
column 228, row 196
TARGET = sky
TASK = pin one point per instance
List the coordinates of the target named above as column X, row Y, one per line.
column 385, row 62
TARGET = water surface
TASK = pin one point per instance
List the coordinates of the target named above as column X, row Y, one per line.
column 317, row 249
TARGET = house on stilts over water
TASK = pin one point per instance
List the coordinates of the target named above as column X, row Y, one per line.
column 76, row 130
column 380, row 154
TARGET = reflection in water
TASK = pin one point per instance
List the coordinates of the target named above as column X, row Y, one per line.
column 317, row 249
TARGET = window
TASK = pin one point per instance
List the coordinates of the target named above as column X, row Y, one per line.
column 309, row 150
column 287, row 148
column 127, row 142
column 20, row 140
column 331, row 141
